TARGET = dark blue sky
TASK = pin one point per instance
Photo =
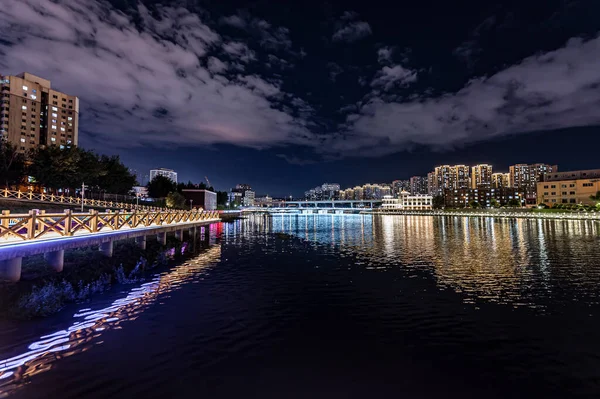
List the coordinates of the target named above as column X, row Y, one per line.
column 287, row 95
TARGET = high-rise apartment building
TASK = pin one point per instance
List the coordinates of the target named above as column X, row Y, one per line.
column 524, row 177
column 168, row 173
column 400, row 185
column 418, row 185
column 449, row 177
column 500, row 180
column 481, row 176
column 33, row 114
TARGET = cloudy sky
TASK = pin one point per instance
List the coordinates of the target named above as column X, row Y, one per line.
column 287, row 95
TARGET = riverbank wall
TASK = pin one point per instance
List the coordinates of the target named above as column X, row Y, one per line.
column 516, row 213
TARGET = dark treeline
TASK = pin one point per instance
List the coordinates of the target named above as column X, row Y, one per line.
column 54, row 168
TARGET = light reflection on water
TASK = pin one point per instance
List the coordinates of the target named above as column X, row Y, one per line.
column 90, row 323
column 518, row 262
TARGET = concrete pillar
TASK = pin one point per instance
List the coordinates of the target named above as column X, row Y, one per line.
column 56, row 259
column 162, row 238
column 179, row 235
column 10, row 269
column 107, row 249
column 141, row 242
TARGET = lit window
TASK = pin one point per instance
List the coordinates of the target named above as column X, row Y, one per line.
column 62, row 146
column 54, row 109
column 23, row 107
column 53, row 138
column 54, row 127
column 33, row 97
column 62, row 128
column 25, row 87
column 53, row 120
column 34, row 90
column 68, row 141
column 70, row 118
column 54, row 115
column 22, row 140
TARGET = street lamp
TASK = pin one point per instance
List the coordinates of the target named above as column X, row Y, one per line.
column 82, row 195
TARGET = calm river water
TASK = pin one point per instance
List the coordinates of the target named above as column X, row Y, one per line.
column 342, row 307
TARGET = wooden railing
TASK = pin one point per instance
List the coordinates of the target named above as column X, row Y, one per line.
column 61, row 199
column 38, row 225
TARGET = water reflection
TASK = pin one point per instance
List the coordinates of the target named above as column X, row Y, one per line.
column 91, row 323
column 519, row 262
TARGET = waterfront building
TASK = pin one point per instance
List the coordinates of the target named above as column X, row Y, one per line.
column 524, row 177
column 33, row 114
column 418, row 185
column 500, row 180
column 431, row 184
column 462, row 198
column 168, row 173
column 569, row 188
column 249, row 197
column 359, row 193
column 400, row 185
column 263, row 202
column 200, row 198
column 481, row 176
column 326, row 191
column 237, row 195
column 407, row 202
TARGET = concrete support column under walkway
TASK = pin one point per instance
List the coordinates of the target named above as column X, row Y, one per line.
column 56, row 259
column 10, row 269
column 162, row 238
column 107, row 249
column 141, row 242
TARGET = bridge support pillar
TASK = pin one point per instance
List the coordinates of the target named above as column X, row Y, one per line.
column 10, row 269
column 107, row 249
column 179, row 235
column 162, row 238
column 141, row 242
column 56, row 259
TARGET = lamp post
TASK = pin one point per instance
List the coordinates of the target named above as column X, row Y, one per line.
column 191, row 204
column 82, row 195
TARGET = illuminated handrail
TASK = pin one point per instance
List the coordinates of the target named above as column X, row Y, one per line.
column 61, row 199
column 39, row 225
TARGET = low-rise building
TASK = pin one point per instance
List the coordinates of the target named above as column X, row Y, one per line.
column 407, row 202
column 462, row 198
column 199, row 198
column 569, row 191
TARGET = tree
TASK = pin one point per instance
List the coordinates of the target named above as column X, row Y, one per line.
column 494, row 203
column 514, row 203
column 438, row 202
column 161, row 186
column 474, row 204
column 175, row 200
column 114, row 176
column 12, row 164
column 55, row 168
column 596, row 197
column 222, row 198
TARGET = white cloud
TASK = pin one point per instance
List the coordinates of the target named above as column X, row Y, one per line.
column 234, row 20
column 136, row 87
column 387, row 77
column 555, row 90
column 384, row 55
column 350, row 30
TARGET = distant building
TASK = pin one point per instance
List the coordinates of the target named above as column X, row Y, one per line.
column 400, row 185
column 500, row 180
column 263, row 202
column 462, row 198
column 418, row 185
column 407, row 202
column 449, row 177
column 326, row 191
column 524, row 177
column 481, row 176
column 168, row 173
column 248, row 199
column 574, row 187
column 33, row 114
column 200, row 198
column 140, row 191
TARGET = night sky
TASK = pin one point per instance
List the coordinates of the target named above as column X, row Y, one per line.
column 288, row 95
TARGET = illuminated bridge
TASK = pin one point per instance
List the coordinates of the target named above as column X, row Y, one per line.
column 322, row 206
column 50, row 234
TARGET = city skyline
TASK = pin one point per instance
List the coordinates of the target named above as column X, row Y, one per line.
column 357, row 97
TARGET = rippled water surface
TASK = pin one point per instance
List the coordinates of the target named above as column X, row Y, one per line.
column 337, row 306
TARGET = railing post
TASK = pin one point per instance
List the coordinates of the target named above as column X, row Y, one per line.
column 94, row 221
column 5, row 192
column 5, row 219
column 68, row 222
column 31, row 225
column 19, row 194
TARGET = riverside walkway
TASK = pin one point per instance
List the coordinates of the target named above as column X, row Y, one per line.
column 37, row 232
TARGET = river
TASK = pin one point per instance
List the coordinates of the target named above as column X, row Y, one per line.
column 339, row 306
